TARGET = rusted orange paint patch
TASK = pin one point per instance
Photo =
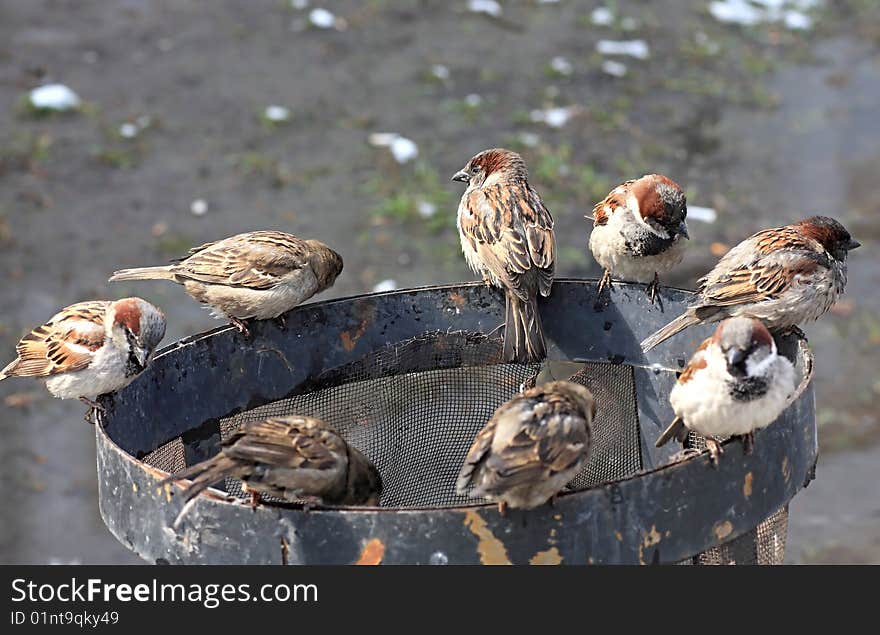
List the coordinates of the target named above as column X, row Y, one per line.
column 373, row 553
column 786, row 469
column 349, row 339
column 747, row 485
column 723, row 529
column 550, row 556
column 457, row 298
column 650, row 539
column 491, row 550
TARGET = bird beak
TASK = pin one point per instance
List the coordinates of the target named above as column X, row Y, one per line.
column 461, row 176
column 853, row 244
column 143, row 356
column 735, row 357
column 683, row 230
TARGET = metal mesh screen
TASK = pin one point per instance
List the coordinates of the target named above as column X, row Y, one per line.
column 417, row 426
column 765, row 544
column 414, row 408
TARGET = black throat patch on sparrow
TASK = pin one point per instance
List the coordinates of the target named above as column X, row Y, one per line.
column 748, row 388
column 640, row 241
column 132, row 364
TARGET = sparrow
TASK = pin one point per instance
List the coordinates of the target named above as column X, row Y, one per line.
column 532, row 446
column 507, row 237
column 782, row 276
column 639, row 231
column 734, row 384
column 291, row 458
column 256, row 275
column 90, row 348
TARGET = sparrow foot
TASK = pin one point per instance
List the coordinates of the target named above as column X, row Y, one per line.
column 748, row 441
column 715, row 450
column 255, row 500
column 502, row 508
column 281, row 321
column 652, row 289
column 241, row 325
column 94, row 407
column 605, row 281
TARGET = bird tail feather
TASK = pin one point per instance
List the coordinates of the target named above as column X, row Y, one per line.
column 143, row 273
column 204, row 474
column 523, row 333
column 676, row 326
column 676, row 430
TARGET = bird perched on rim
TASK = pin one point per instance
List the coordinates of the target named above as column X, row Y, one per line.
column 782, row 276
column 639, row 231
column 734, row 384
column 532, row 446
column 292, row 458
column 507, row 237
column 90, row 348
column 256, row 275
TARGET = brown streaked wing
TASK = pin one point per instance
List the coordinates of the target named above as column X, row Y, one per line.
column 64, row 344
column 697, row 362
column 537, row 450
column 256, row 260
column 757, row 283
column 283, row 444
column 476, row 454
column 616, row 198
column 497, row 232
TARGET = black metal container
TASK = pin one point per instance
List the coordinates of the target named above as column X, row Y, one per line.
column 409, row 377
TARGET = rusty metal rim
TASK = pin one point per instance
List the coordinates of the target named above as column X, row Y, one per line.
column 787, row 441
column 218, row 495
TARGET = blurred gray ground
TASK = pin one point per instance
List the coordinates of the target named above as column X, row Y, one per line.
column 765, row 124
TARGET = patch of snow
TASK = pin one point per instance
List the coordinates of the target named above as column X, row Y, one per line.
column 702, row 214
column 56, row 97
column 128, row 130
column 489, row 7
column 554, row 117
column 277, row 114
column 633, row 48
column 440, row 71
column 615, row 69
column 403, row 149
column 322, row 19
column 473, row 100
column 426, row 209
column 529, row 139
column 385, row 285
column 561, row 65
column 602, row 16
column 199, row 207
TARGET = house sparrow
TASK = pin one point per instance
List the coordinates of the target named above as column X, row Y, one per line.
column 638, row 231
column 782, row 276
column 531, row 447
column 90, row 348
column 507, row 237
column 255, row 275
column 291, row 458
column 734, row 384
